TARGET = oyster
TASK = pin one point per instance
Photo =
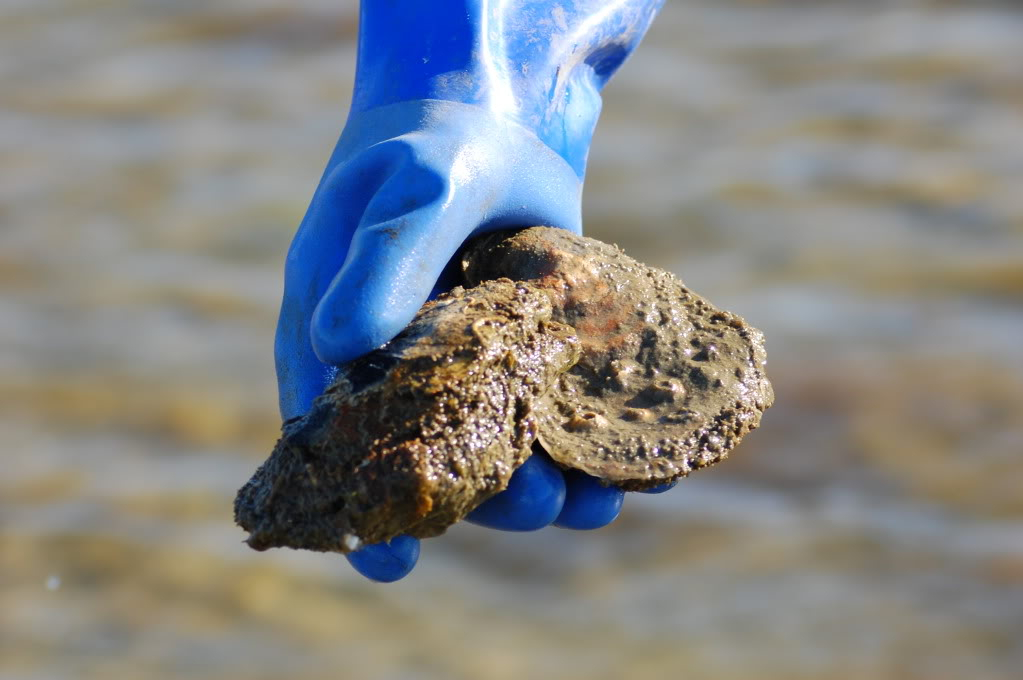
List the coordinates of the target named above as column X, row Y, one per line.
column 615, row 367
column 666, row 383
column 413, row 436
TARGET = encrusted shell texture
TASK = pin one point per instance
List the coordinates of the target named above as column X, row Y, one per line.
column 413, row 436
column 666, row 383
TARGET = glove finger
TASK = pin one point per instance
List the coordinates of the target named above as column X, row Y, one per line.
column 533, row 499
column 386, row 562
column 317, row 253
column 434, row 197
column 588, row 503
column 409, row 231
column 660, row 489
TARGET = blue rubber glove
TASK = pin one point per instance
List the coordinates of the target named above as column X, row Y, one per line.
column 467, row 116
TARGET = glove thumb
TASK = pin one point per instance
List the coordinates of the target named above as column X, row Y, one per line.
column 415, row 223
column 409, row 231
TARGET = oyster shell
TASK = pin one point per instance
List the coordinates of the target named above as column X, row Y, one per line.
column 413, row 436
column 615, row 367
column 666, row 383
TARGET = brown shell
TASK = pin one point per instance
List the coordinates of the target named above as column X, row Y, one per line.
column 666, row 382
column 413, row 436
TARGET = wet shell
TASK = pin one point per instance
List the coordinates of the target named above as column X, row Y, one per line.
column 666, row 383
column 413, row 436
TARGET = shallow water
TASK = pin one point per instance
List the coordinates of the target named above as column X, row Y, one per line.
column 844, row 174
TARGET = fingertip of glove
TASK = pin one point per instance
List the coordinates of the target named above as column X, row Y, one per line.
column 386, row 562
column 533, row 499
column 338, row 336
column 660, row 489
column 588, row 503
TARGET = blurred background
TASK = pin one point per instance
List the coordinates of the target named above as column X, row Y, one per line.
column 846, row 175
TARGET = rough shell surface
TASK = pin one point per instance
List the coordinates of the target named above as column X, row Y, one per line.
column 413, row 436
column 666, row 383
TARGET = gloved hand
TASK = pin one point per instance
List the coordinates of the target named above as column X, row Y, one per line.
column 467, row 116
